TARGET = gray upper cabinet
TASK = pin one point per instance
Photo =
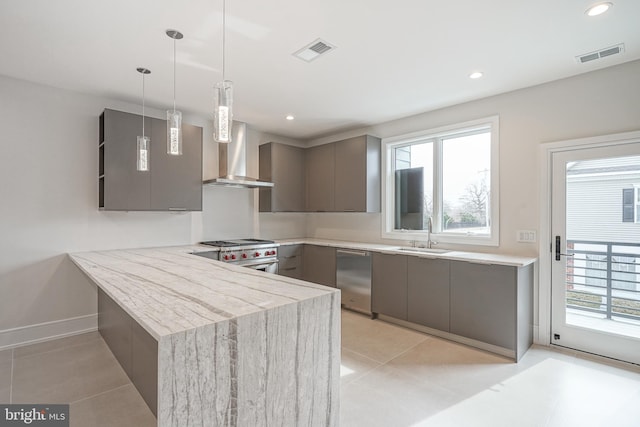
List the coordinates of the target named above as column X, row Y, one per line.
column 284, row 166
column 342, row 176
column 122, row 186
column 176, row 181
column 357, row 175
column 428, row 292
column 319, row 264
column 172, row 183
column 389, row 285
column 320, row 178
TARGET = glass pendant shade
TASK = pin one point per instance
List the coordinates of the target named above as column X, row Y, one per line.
column 223, row 111
column 142, row 145
column 143, row 153
column 174, row 132
column 174, row 117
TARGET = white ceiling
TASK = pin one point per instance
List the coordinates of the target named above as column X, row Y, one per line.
column 393, row 59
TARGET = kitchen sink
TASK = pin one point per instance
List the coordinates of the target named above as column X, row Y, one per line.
column 425, row 250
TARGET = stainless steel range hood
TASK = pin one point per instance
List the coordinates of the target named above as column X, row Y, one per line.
column 233, row 162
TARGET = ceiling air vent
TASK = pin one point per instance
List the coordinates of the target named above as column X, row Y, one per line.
column 313, row 50
column 592, row 56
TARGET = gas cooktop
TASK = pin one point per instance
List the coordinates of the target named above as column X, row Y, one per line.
column 237, row 242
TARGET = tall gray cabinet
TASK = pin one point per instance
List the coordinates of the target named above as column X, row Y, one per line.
column 173, row 183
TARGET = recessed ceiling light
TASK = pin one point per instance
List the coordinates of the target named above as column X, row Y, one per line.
column 289, row 117
column 475, row 75
column 598, row 9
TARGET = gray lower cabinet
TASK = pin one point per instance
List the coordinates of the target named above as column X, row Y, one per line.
column 389, row 285
column 428, row 292
column 172, row 182
column 134, row 348
column 114, row 325
column 290, row 261
column 144, row 364
column 284, row 166
column 493, row 304
column 320, row 178
column 319, row 265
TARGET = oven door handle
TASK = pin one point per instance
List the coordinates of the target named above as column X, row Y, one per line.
column 259, row 264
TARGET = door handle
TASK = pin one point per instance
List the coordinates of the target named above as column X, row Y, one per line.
column 558, row 254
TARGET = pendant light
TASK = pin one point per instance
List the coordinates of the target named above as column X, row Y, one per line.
column 223, row 96
column 142, row 163
column 174, row 118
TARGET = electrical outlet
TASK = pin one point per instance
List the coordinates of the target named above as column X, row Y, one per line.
column 526, row 236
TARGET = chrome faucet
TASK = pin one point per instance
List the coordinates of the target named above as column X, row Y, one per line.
column 429, row 231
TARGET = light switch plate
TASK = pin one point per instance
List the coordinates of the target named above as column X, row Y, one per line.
column 526, row 236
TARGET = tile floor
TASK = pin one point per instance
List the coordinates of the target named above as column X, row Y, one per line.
column 390, row 377
column 78, row 370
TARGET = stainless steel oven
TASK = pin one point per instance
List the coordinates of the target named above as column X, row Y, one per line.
column 252, row 253
column 267, row 267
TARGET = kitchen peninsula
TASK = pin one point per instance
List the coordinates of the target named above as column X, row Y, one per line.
column 232, row 346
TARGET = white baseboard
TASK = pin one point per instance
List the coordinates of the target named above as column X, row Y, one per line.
column 31, row 334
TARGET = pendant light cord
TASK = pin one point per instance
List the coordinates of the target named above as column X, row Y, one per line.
column 143, row 135
column 174, row 76
column 224, row 31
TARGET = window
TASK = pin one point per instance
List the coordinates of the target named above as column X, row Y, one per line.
column 631, row 204
column 448, row 175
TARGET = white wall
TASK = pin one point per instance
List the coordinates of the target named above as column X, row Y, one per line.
column 597, row 103
column 48, row 207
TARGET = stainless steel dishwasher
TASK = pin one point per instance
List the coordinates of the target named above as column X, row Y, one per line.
column 353, row 278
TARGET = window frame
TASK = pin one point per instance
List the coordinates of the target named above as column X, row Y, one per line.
column 388, row 188
column 636, row 204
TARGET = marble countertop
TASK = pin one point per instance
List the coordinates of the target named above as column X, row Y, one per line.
column 475, row 257
column 170, row 290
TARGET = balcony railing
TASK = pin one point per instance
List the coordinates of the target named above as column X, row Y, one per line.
column 603, row 279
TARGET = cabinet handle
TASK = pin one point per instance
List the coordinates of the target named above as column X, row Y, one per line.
column 347, row 252
column 290, row 268
column 177, row 209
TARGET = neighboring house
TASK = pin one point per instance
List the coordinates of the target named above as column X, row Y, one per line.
column 603, row 205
